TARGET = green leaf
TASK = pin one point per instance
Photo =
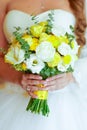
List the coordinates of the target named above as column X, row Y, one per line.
column 70, row 69
column 72, row 28
column 18, row 28
column 25, row 46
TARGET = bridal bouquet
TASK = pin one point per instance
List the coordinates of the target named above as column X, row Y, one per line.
column 39, row 50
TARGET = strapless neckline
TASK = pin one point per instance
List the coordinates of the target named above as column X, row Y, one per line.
column 17, row 18
column 45, row 12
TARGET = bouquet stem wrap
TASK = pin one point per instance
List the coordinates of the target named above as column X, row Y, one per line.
column 39, row 105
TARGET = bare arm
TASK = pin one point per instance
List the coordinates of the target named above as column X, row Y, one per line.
column 7, row 73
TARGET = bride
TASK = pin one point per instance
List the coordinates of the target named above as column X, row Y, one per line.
column 67, row 92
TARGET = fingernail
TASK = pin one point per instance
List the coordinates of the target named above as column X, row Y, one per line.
column 40, row 77
column 47, row 79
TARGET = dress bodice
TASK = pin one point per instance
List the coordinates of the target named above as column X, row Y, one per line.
column 15, row 18
column 62, row 21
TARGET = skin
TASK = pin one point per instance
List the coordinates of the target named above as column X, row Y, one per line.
column 29, row 81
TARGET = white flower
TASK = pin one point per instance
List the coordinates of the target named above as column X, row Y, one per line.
column 34, row 64
column 64, row 49
column 62, row 67
column 15, row 55
column 45, row 51
column 58, row 31
column 74, row 59
column 75, row 47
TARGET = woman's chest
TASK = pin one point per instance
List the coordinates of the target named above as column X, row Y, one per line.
column 38, row 6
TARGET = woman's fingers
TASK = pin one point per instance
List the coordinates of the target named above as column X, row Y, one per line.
column 30, row 79
column 55, row 77
column 55, row 81
column 32, row 76
column 34, row 82
column 32, row 88
column 32, row 94
column 52, row 83
column 55, row 87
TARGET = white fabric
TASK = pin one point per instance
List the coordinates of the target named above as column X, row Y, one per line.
column 68, row 106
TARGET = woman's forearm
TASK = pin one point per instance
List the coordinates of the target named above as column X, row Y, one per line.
column 7, row 73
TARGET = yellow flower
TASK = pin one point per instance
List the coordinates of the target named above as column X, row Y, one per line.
column 24, row 67
column 72, row 44
column 16, row 44
column 63, row 39
column 34, row 44
column 67, row 59
column 55, row 61
column 27, row 38
column 43, row 23
column 43, row 37
column 13, row 40
column 36, row 30
column 54, row 40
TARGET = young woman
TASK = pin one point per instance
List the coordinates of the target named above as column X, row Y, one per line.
column 67, row 92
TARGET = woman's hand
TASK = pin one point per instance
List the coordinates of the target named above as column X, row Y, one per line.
column 59, row 81
column 30, row 82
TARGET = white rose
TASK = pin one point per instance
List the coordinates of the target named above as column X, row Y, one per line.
column 45, row 51
column 64, row 49
column 15, row 55
column 34, row 64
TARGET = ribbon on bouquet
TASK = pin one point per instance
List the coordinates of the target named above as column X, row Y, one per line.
column 42, row 94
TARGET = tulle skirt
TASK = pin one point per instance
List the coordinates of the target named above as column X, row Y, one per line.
column 68, row 109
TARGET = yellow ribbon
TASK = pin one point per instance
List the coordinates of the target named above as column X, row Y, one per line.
column 42, row 94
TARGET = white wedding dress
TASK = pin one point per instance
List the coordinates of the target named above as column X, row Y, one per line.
column 68, row 106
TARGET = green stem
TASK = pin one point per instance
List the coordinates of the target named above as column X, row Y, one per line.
column 38, row 106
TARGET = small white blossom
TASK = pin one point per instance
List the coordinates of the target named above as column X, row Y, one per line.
column 34, row 64
column 62, row 67
column 64, row 49
column 45, row 51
